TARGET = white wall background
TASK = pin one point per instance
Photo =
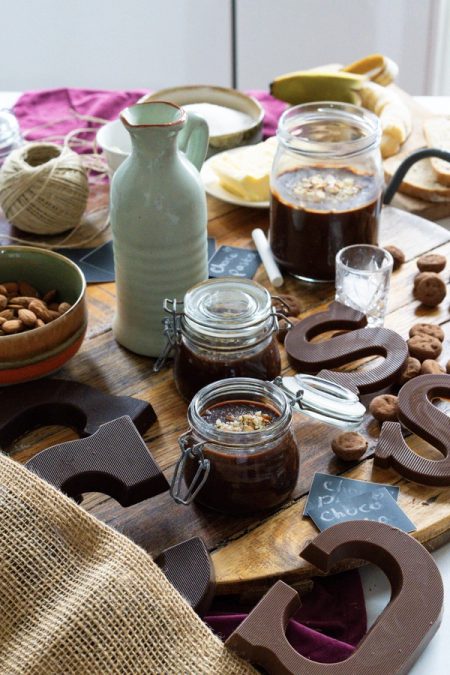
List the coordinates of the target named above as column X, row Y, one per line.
column 152, row 44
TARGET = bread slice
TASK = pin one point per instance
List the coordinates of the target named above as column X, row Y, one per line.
column 437, row 133
column 420, row 181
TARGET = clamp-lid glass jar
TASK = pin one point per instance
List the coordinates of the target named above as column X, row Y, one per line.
column 252, row 468
column 226, row 329
column 326, row 186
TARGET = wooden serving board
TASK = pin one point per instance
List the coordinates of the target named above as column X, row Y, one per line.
column 248, row 552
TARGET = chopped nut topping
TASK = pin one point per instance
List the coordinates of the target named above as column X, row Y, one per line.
column 246, row 422
column 317, row 188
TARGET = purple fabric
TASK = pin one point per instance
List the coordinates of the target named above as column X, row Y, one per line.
column 328, row 626
column 35, row 108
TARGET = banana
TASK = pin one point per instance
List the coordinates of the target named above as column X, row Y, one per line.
column 384, row 70
column 307, row 86
column 395, row 118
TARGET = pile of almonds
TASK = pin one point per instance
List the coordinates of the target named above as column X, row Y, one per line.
column 22, row 307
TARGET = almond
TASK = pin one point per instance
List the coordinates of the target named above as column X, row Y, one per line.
column 3, row 290
column 7, row 314
column 39, row 323
column 54, row 306
column 50, row 296
column 40, row 310
column 22, row 300
column 64, row 307
column 3, row 301
column 13, row 326
column 2, row 320
column 27, row 317
column 13, row 306
column 27, row 289
column 11, row 287
column 54, row 315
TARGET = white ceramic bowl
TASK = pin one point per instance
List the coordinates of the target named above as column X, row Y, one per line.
column 228, row 98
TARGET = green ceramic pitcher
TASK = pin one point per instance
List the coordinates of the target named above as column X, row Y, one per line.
column 158, row 220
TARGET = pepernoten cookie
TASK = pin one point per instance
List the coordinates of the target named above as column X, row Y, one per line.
column 423, row 347
column 430, row 367
column 432, row 290
column 397, row 255
column 427, row 329
column 431, row 262
column 384, row 408
column 349, row 446
column 412, row 370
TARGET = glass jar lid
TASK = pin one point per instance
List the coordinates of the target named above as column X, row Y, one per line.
column 227, row 305
column 329, row 129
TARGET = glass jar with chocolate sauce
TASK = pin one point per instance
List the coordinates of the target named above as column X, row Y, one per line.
column 326, row 186
column 240, row 454
column 226, row 329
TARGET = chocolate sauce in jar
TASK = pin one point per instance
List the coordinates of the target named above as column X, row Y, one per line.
column 194, row 368
column 315, row 212
column 253, row 476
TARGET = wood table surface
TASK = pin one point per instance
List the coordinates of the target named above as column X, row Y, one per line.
column 249, row 553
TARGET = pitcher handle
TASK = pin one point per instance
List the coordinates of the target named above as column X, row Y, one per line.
column 193, row 139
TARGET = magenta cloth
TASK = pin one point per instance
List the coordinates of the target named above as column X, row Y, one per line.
column 35, row 108
column 328, row 626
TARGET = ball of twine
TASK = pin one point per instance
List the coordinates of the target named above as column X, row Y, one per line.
column 43, row 188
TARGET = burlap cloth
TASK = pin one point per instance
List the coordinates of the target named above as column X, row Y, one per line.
column 78, row 598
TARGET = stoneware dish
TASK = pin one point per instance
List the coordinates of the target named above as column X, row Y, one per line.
column 228, row 98
column 41, row 351
column 116, row 144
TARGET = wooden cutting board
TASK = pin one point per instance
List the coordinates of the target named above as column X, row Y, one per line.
column 420, row 207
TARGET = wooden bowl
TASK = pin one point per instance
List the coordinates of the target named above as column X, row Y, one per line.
column 41, row 351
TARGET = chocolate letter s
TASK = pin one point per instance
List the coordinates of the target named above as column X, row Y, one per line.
column 395, row 640
column 312, row 357
column 419, row 415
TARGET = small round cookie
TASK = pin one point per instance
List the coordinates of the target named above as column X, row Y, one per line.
column 284, row 328
column 423, row 347
column 427, row 329
column 432, row 290
column 412, row 370
column 291, row 301
column 430, row 367
column 397, row 254
column 384, row 408
column 349, row 446
column 431, row 262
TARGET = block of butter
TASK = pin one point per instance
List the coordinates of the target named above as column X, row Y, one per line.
column 246, row 171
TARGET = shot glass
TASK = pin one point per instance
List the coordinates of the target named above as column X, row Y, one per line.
column 363, row 275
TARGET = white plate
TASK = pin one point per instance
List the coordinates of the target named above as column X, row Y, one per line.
column 214, row 188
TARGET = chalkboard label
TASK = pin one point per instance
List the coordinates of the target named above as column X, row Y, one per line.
column 328, row 490
column 375, row 504
column 229, row 261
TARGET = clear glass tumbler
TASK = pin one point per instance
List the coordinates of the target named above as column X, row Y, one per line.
column 363, row 275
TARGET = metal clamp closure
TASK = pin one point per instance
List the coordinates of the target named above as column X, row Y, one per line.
column 171, row 332
column 195, row 451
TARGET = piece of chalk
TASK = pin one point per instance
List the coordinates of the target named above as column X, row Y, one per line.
column 262, row 245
